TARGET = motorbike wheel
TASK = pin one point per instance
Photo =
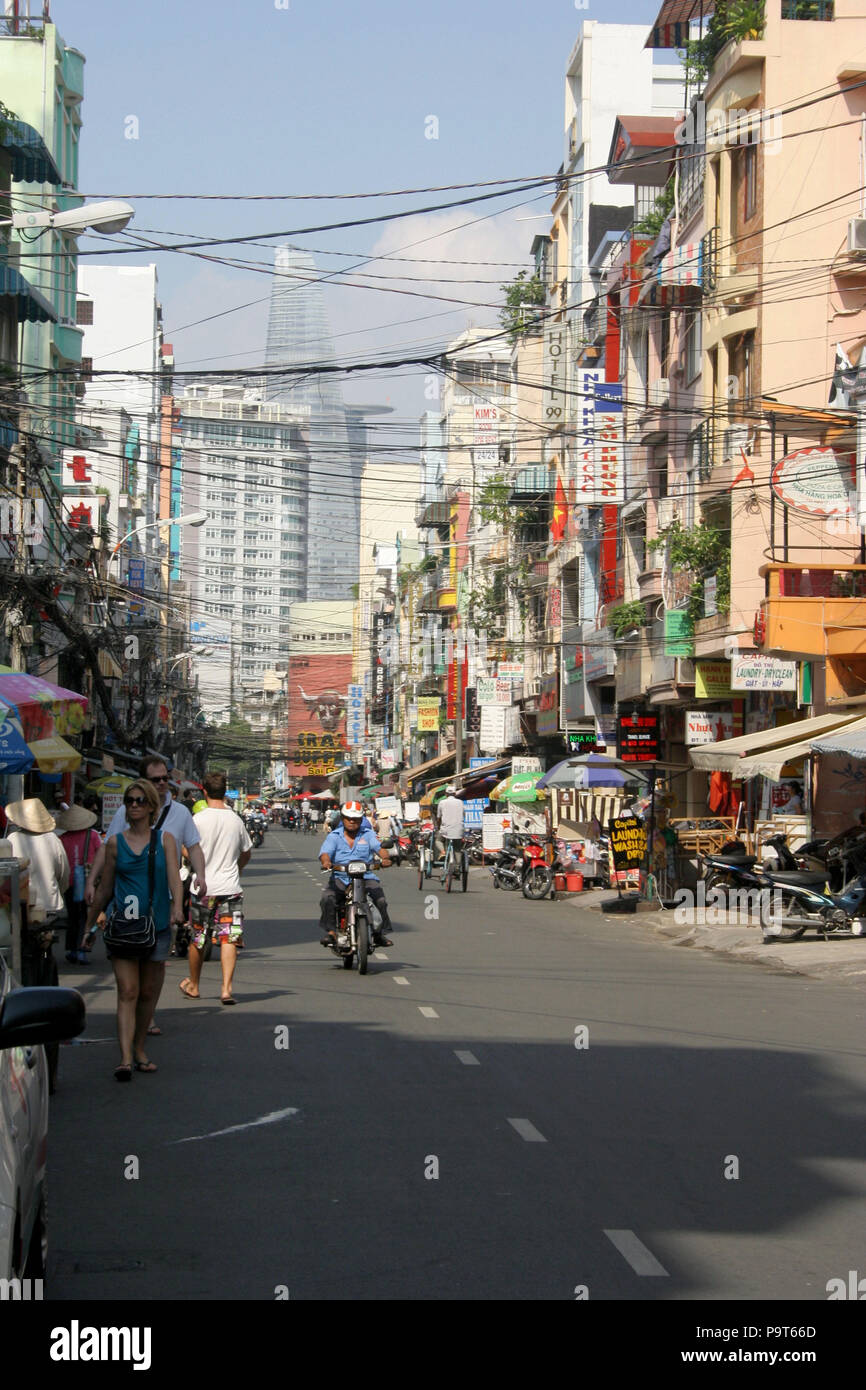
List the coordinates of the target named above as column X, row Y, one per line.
column 537, row 882
column 420, row 875
column 510, row 883
column 718, row 882
column 362, row 931
column 790, row 908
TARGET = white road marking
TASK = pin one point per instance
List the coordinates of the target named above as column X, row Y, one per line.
column 468, row 1059
column 642, row 1261
column 381, row 956
column 270, row 1119
column 427, row 1011
column 528, row 1132
column 399, row 979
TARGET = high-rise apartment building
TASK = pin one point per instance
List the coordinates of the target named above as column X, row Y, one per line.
column 299, row 338
column 245, row 463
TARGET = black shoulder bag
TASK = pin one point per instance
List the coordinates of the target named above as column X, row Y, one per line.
column 131, row 938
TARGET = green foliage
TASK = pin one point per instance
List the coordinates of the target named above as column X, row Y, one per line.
column 652, row 223
column 238, row 749
column 626, row 617
column 703, row 550
column 733, row 20
column 525, row 290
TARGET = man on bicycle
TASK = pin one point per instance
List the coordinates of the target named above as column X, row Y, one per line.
column 450, row 814
column 343, row 844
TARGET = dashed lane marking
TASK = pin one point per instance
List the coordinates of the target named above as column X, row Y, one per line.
column 642, row 1260
column 427, row 1011
column 527, row 1131
column 468, row 1059
column 400, row 980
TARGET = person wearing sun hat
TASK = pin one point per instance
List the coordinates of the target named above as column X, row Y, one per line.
column 81, row 843
column 31, row 835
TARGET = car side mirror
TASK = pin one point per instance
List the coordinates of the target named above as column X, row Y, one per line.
column 41, row 1014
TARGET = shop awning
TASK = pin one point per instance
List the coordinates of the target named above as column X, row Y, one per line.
column 32, row 161
column 739, row 756
column 42, row 708
column 55, row 755
column 15, row 756
column 29, row 303
column 850, row 741
column 414, row 774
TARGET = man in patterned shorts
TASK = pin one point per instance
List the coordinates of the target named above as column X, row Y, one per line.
column 227, row 848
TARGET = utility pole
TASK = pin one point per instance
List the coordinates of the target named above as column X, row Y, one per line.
column 458, row 704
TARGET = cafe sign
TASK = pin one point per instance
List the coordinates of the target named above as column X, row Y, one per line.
column 712, row 680
column 818, row 481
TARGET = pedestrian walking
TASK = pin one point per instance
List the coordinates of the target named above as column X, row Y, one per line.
column 173, row 817
column 31, row 835
column 227, row 848
column 140, row 880
column 81, row 844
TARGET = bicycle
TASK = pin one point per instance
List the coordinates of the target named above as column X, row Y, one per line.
column 456, row 865
column 425, row 859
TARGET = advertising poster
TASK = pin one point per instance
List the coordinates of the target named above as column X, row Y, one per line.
column 317, row 714
column 637, row 738
column 713, row 680
column 428, row 714
column 627, row 842
column 547, row 718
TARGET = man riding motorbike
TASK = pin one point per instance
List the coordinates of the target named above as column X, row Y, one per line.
column 347, row 842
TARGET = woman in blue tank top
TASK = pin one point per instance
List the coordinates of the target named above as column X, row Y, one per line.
column 125, row 885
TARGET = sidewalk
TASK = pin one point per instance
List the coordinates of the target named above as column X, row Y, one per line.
column 843, row 960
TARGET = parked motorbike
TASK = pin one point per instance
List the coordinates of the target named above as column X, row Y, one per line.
column 521, row 864
column 732, row 868
column 354, row 939
column 474, row 847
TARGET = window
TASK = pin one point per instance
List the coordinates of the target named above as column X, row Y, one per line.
column 84, row 311
column 750, row 181
column 692, row 343
column 87, row 369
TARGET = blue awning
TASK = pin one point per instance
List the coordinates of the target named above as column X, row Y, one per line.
column 32, row 305
column 32, row 161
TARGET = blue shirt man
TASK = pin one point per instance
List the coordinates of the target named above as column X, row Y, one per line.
column 340, row 851
column 346, row 842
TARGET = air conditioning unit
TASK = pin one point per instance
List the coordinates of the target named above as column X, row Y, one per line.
column 659, row 393
column 733, row 440
column 667, row 512
column 857, row 236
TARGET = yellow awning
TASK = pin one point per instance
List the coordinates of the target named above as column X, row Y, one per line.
column 55, row 755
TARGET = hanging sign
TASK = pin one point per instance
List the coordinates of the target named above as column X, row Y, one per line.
column 712, row 680
column 759, row 672
column 679, row 633
column 818, row 481
column 627, row 842
column 708, row 726
column 637, row 738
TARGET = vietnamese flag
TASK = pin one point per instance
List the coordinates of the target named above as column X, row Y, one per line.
column 560, row 512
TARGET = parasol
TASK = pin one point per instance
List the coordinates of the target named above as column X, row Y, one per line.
column 519, row 787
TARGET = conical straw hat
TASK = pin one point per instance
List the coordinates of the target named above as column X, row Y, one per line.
column 30, row 815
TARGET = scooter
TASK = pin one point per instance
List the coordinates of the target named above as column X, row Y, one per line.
column 354, row 939
column 522, row 866
column 733, row 868
column 790, row 911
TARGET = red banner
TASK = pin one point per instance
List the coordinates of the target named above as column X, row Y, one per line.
column 451, row 710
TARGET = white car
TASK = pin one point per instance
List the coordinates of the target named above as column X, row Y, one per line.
column 28, row 1018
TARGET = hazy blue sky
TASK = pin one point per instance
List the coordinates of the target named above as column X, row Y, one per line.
column 326, row 96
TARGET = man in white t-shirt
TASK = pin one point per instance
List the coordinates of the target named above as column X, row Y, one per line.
column 226, row 847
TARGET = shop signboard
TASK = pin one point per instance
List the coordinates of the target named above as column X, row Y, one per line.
column 758, row 672
column 355, row 715
column 637, row 738
column 389, row 806
column 428, row 714
column 111, row 804
column 679, row 633
column 713, row 680
column 599, row 657
column 494, row 828
column 710, row 588
column 628, row 840
column 388, row 759
column 609, row 442
column 510, row 670
column 491, row 736
column 318, row 696
column 818, row 481
column 582, row 740
column 547, row 717
column 472, row 712
column 525, row 765
column 494, row 690
column 585, row 467
column 708, row 726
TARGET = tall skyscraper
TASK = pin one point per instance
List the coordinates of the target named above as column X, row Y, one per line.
column 299, row 337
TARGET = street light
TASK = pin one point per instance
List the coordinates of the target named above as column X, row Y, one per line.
column 111, row 216
column 192, row 519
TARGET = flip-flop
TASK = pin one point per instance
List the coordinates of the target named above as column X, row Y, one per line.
column 146, row 1066
column 186, row 991
column 227, row 999
column 154, row 1032
column 123, row 1072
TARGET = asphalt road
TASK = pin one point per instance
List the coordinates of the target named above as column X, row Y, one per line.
column 432, row 1131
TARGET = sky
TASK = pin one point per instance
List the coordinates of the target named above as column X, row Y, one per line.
column 324, row 97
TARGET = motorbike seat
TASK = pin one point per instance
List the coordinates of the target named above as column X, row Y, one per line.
column 735, row 861
column 798, row 878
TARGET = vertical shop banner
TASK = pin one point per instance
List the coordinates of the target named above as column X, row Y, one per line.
column 355, row 716
column 451, row 709
column 609, row 466
column 585, row 452
column 486, row 443
column 318, row 703
column 547, row 718
column 553, row 368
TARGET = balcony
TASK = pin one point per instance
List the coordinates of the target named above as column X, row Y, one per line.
column 649, row 585
column 431, row 514
column 532, row 484
column 819, row 611
column 633, row 667
column 654, row 422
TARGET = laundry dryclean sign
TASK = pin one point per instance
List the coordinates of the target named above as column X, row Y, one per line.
column 627, row 842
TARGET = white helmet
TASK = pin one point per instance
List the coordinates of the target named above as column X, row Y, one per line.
column 353, row 810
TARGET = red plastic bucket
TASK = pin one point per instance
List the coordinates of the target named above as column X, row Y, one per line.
column 574, row 883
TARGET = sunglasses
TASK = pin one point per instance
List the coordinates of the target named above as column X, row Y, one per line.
column 135, row 801
column 162, row 778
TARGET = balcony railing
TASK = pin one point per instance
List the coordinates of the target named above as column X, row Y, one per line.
column 807, row 9
column 433, row 514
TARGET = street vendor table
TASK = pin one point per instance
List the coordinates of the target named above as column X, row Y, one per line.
column 703, row 836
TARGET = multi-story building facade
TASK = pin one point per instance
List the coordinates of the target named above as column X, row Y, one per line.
column 245, row 463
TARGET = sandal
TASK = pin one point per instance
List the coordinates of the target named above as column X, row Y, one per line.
column 123, row 1072
column 147, row 1066
column 227, row 999
column 154, row 1032
column 186, row 991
